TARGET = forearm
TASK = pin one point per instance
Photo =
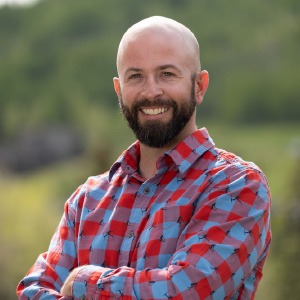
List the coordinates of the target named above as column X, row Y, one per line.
column 47, row 275
column 180, row 279
column 41, row 280
column 95, row 282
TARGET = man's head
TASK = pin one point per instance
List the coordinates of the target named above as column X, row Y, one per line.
column 167, row 28
column 160, row 80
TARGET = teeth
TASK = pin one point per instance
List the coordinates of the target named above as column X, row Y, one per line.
column 154, row 111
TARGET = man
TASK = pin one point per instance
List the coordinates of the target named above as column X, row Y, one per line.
column 175, row 217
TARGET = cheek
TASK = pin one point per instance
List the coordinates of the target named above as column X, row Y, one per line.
column 128, row 96
column 180, row 90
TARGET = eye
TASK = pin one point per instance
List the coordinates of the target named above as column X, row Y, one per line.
column 168, row 74
column 135, row 76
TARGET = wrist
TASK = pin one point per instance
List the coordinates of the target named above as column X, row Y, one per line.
column 67, row 288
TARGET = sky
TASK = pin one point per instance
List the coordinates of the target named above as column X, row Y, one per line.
column 17, row 2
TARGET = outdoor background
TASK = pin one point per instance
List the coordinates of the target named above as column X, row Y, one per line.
column 60, row 121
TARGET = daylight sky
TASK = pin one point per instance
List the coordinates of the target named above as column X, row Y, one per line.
column 17, row 2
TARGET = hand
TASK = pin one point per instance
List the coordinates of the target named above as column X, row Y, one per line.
column 66, row 289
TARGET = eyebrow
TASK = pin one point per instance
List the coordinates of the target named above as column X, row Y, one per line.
column 132, row 70
column 168, row 66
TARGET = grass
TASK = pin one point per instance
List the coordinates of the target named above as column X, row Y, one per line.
column 32, row 204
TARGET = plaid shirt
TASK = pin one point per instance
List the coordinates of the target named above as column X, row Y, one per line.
column 199, row 229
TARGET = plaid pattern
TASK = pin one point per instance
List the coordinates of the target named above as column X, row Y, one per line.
column 199, row 229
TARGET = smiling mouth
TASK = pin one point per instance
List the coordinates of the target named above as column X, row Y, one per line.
column 154, row 111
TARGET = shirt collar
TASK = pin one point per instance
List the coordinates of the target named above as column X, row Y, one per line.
column 183, row 155
column 190, row 149
column 128, row 160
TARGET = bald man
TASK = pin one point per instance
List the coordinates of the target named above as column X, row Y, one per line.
column 175, row 217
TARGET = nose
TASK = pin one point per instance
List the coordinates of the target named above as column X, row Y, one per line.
column 151, row 89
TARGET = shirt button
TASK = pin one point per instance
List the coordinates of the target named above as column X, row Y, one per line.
column 130, row 234
column 146, row 191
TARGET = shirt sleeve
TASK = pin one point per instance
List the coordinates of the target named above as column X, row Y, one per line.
column 220, row 253
column 47, row 275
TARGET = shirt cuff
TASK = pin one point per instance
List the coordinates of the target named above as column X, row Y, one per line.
column 83, row 288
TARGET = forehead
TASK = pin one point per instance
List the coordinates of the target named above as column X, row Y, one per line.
column 153, row 48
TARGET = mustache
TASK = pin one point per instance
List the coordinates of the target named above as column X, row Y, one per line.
column 155, row 102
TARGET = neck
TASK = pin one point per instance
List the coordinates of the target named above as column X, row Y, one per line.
column 148, row 159
column 149, row 156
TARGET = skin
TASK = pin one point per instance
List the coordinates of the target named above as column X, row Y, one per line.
column 157, row 58
column 162, row 55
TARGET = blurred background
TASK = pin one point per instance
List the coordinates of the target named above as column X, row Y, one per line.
column 60, row 121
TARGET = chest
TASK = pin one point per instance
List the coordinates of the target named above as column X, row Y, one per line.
column 133, row 223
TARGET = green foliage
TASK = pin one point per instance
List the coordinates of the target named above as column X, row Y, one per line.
column 57, row 64
column 58, row 57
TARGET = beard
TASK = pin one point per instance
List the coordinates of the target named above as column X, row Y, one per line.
column 157, row 134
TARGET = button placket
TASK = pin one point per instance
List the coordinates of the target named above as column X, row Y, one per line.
column 148, row 189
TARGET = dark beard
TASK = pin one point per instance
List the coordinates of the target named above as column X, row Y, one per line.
column 157, row 134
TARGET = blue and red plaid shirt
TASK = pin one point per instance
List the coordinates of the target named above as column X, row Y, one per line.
column 199, row 229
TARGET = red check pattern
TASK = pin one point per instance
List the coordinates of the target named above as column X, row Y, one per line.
column 199, row 229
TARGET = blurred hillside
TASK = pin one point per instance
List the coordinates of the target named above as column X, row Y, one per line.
column 59, row 119
column 58, row 58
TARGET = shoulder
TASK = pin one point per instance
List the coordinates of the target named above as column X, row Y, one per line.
column 232, row 167
column 93, row 188
column 232, row 180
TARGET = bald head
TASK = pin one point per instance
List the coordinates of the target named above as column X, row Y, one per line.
column 169, row 30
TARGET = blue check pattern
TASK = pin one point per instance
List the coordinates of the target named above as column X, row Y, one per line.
column 199, row 229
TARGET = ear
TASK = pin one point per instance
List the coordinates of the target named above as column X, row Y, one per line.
column 117, row 86
column 201, row 85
